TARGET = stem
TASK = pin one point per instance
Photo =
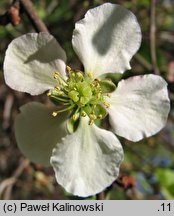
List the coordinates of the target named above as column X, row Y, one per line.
column 59, row 98
column 11, row 15
column 66, row 109
column 33, row 17
column 139, row 58
column 153, row 37
column 100, row 196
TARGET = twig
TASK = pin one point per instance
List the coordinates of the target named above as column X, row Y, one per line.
column 139, row 58
column 12, row 15
column 138, row 155
column 153, row 37
column 167, row 36
column 7, row 185
column 100, row 196
column 7, row 111
column 33, row 17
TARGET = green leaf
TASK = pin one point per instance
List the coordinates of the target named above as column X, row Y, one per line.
column 107, row 86
column 99, row 110
column 165, row 178
column 72, row 125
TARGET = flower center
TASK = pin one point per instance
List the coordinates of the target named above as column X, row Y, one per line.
column 81, row 95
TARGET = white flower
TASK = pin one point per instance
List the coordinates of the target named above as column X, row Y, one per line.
column 86, row 160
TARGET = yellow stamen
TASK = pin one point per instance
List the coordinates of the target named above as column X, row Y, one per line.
column 74, row 117
column 92, row 116
column 97, row 84
column 97, row 79
column 68, row 69
column 91, row 122
column 49, row 94
column 79, row 75
column 57, row 88
column 54, row 114
column 108, row 95
column 83, row 114
column 60, row 93
column 107, row 105
column 56, row 75
column 98, row 95
column 99, row 116
column 90, row 75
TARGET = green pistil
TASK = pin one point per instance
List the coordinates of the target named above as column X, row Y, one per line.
column 81, row 95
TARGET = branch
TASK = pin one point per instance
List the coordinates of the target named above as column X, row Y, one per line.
column 12, row 15
column 139, row 58
column 100, row 196
column 153, row 37
column 32, row 15
column 7, row 184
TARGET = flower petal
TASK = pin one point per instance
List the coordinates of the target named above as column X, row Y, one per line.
column 37, row 132
column 31, row 61
column 106, row 39
column 139, row 107
column 87, row 161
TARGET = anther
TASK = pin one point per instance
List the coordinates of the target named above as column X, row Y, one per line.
column 75, row 117
column 60, row 93
column 57, row 88
column 92, row 116
column 56, row 75
column 49, row 93
column 73, row 74
column 90, row 75
column 97, row 79
column 79, row 75
column 97, row 84
column 99, row 116
column 83, row 114
column 108, row 95
column 107, row 105
column 91, row 122
column 98, row 95
column 68, row 69
column 54, row 114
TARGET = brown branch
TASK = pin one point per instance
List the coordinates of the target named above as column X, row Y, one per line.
column 7, row 111
column 139, row 58
column 100, row 196
column 6, row 186
column 153, row 37
column 12, row 15
column 32, row 15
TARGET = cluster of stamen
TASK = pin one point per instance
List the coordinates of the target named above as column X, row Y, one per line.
column 80, row 94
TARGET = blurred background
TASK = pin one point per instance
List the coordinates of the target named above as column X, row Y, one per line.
column 147, row 171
